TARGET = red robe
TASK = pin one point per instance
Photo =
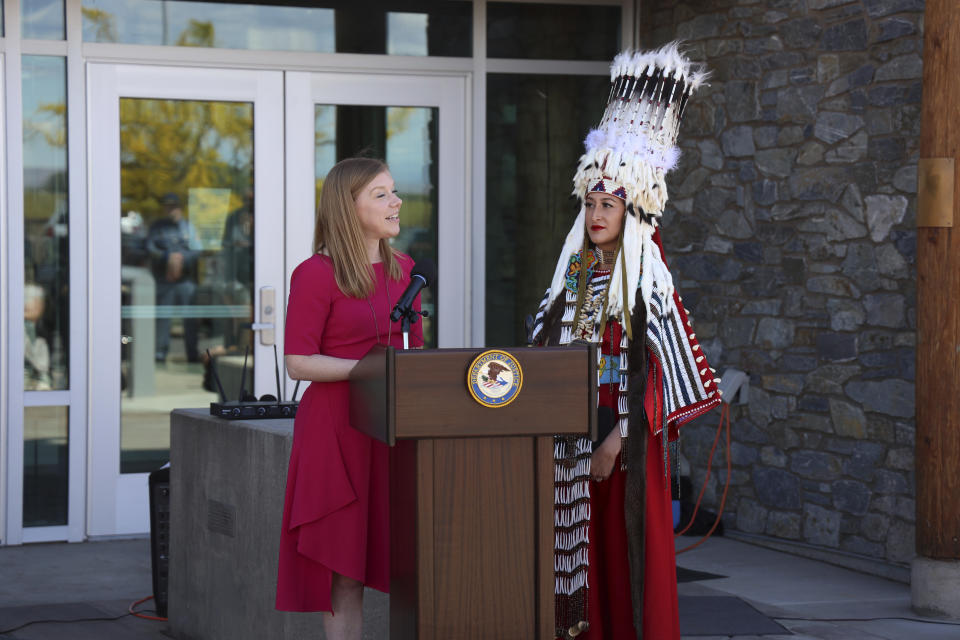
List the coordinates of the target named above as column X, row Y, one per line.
column 610, row 612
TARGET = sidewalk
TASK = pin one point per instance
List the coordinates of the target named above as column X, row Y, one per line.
column 749, row 585
column 76, row 581
column 807, row 597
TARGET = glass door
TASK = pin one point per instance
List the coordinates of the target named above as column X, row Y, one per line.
column 418, row 125
column 186, row 214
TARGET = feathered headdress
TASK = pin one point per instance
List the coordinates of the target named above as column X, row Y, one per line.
column 628, row 155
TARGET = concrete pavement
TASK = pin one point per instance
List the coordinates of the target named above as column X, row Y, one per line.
column 812, row 599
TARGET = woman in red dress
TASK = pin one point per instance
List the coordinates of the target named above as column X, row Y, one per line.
column 335, row 534
column 614, row 557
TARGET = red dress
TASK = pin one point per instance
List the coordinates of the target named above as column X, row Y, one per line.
column 336, row 513
column 608, row 598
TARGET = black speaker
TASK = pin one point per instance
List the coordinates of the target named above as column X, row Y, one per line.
column 160, row 536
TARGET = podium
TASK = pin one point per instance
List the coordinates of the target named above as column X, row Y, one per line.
column 472, row 486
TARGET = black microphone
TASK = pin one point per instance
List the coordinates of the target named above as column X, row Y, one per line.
column 423, row 275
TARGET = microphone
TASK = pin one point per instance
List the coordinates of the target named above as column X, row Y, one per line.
column 422, row 275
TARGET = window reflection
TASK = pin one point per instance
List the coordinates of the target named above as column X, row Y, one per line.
column 43, row 19
column 46, row 302
column 406, row 137
column 424, row 28
column 45, row 466
column 407, row 34
column 535, row 131
column 187, row 251
column 552, row 31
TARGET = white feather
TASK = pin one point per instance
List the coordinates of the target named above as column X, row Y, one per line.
column 595, row 139
column 646, row 278
column 633, row 251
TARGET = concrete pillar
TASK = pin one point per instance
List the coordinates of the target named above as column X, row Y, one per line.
column 935, row 586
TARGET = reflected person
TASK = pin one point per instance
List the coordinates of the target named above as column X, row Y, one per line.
column 237, row 259
column 36, row 351
column 174, row 249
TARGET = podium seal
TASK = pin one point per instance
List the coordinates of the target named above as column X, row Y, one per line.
column 494, row 378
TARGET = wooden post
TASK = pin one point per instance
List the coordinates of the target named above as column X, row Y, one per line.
column 936, row 572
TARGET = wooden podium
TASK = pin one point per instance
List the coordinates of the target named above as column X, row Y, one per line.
column 472, row 486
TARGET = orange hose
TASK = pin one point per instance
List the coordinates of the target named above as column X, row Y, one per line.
column 724, row 415
column 133, row 606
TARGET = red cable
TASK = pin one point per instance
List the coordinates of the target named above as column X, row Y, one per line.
column 696, row 506
column 724, row 414
column 143, row 615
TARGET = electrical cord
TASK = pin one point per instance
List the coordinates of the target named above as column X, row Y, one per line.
column 32, row 622
column 134, row 612
column 131, row 611
column 724, row 420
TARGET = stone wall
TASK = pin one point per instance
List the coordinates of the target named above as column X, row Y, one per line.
column 792, row 238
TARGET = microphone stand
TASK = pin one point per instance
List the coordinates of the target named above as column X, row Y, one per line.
column 407, row 319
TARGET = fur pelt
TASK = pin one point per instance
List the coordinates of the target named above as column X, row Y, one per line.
column 635, row 503
column 634, row 451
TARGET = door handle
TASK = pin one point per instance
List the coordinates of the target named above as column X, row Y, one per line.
column 268, row 314
column 126, row 339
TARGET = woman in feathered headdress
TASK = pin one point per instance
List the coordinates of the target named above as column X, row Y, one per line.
column 614, row 556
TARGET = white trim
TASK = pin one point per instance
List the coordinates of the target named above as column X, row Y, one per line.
column 46, row 399
column 299, row 190
column 276, row 60
column 56, row 48
column 104, row 196
column 131, row 499
column 45, row 534
column 4, row 294
column 78, row 421
column 268, row 194
column 456, row 189
column 15, row 274
column 629, row 23
column 478, row 253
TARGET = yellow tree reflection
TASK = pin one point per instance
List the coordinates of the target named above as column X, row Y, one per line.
column 171, row 146
column 102, row 23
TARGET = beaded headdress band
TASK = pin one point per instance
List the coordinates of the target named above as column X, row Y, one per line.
column 628, row 155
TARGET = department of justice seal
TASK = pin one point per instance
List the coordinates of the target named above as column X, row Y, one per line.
column 494, row 378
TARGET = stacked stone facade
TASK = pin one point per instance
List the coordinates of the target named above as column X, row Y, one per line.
column 791, row 234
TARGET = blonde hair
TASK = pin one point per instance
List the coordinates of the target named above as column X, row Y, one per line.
column 337, row 228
